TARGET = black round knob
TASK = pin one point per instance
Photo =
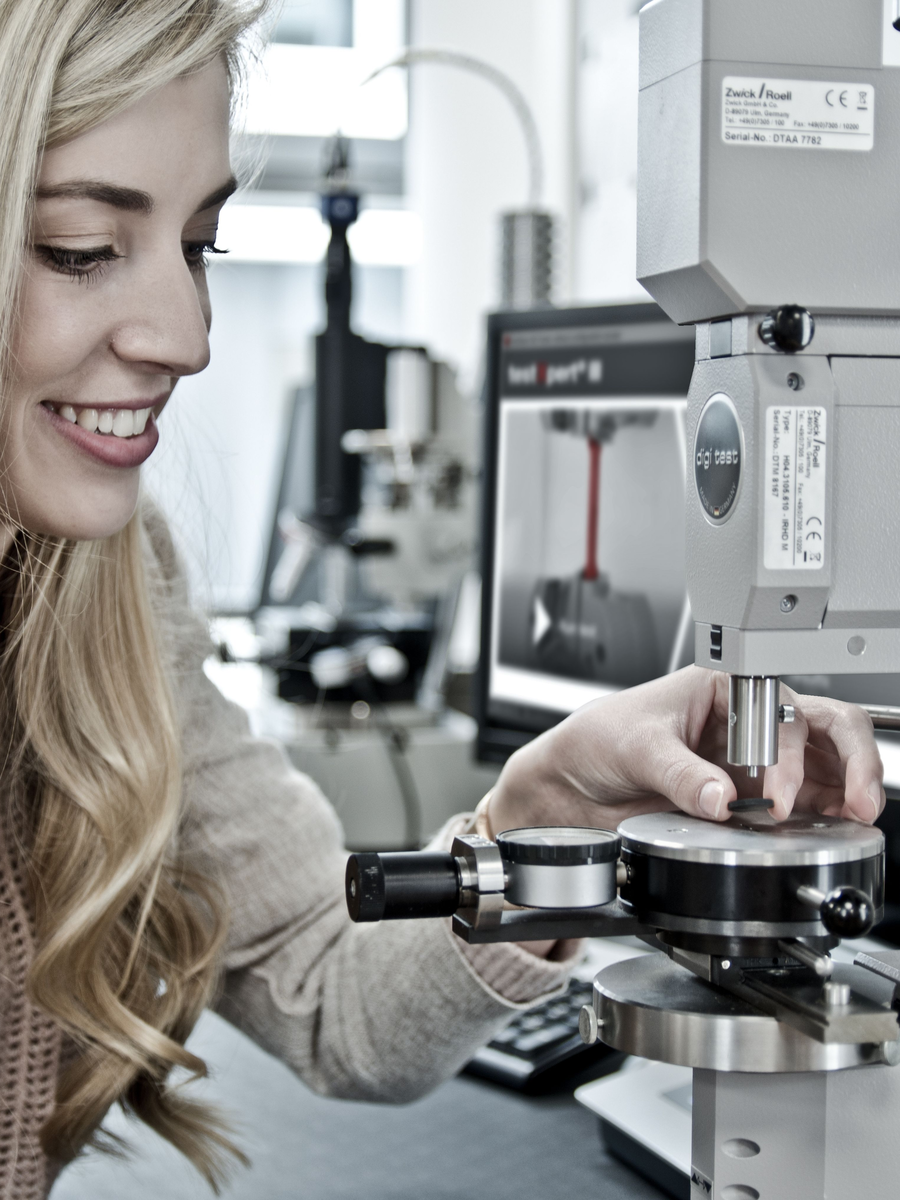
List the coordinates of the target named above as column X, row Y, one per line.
column 789, row 328
column 401, row 885
column 847, row 912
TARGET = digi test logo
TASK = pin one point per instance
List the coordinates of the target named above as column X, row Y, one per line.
column 717, row 457
column 764, row 93
column 551, row 375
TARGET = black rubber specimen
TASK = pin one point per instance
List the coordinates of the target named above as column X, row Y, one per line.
column 750, row 804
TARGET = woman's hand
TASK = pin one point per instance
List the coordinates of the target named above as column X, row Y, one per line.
column 662, row 746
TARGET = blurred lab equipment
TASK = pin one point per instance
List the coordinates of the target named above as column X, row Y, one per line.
column 584, row 589
column 527, row 235
column 581, row 626
column 373, row 534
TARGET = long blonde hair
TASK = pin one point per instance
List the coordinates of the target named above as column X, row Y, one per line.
column 126, row 935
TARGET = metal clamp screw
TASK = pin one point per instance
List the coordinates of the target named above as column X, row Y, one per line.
column 786, row 714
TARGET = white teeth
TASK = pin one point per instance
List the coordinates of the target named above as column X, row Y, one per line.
column 120, row 422
column 123, row 423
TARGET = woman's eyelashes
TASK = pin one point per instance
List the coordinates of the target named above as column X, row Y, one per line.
column 89, row 265
column 195, row 253
column 83, row 265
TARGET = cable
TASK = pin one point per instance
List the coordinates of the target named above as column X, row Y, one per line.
column 511, row 90
column 396, row 741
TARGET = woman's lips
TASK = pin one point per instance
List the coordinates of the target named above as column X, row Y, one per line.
column 106, row 448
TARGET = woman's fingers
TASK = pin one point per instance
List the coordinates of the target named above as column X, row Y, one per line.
column 670, row 769
column 849, row 730
column 784, row 780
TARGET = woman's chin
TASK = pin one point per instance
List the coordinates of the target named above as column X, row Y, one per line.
column 81, row 520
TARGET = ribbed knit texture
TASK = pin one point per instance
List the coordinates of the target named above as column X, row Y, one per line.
column 380, row 1011
column 30, row 1042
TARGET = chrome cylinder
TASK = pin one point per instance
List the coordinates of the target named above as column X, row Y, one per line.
column 752, row 721
column 582, row 886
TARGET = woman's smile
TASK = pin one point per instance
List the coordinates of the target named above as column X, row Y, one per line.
column 121, row 435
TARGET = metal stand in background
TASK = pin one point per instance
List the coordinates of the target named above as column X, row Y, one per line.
column 526, row 271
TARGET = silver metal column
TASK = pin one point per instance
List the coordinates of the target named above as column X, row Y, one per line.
column 805, row 1136
column 752, row 721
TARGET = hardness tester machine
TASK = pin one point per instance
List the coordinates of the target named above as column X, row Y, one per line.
column 768, row 217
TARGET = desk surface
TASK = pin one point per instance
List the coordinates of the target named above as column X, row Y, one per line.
column 467, row 1141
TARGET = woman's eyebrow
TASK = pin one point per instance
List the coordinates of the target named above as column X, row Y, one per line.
column 220, row 195
column 128, row 199
column 125, row 198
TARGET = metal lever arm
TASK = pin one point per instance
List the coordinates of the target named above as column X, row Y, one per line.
column 884, row 716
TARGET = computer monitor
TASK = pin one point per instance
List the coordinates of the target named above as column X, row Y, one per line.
column 583, row 583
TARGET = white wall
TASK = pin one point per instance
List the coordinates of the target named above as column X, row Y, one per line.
column 576, row 62
column 465, row 158
column 607, row 152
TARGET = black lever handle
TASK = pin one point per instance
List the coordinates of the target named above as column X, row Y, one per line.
column 395, row 886
column 846, row 912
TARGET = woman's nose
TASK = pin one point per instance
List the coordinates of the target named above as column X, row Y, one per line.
column 166, row 321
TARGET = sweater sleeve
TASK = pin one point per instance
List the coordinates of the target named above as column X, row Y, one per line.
column 378, row 1012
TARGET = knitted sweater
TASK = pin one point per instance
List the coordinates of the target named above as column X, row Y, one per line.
column 372, row 1012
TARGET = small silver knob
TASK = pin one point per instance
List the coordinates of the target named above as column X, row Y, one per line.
column 786, row 714
column 588, row 1025
column 836, row 994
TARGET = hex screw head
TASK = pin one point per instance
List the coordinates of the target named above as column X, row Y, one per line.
column 788, row 603
column 795, row 381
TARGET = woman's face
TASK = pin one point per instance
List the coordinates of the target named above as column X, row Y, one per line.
column 115, row 307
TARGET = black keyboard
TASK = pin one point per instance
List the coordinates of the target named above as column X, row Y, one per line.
column 541, row 1050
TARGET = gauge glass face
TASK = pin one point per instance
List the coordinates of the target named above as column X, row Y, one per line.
column 557, row 836
column 559, row 845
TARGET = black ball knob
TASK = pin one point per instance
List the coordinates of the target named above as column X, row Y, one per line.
column 847, row 912
column 789, row 328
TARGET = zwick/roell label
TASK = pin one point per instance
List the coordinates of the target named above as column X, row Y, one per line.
column 797, row 114
column 794, row 531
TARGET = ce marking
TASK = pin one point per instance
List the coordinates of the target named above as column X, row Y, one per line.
column 842, row 98
column 814, row 533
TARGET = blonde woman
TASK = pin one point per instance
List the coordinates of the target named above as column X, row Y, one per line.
column 153, row 857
